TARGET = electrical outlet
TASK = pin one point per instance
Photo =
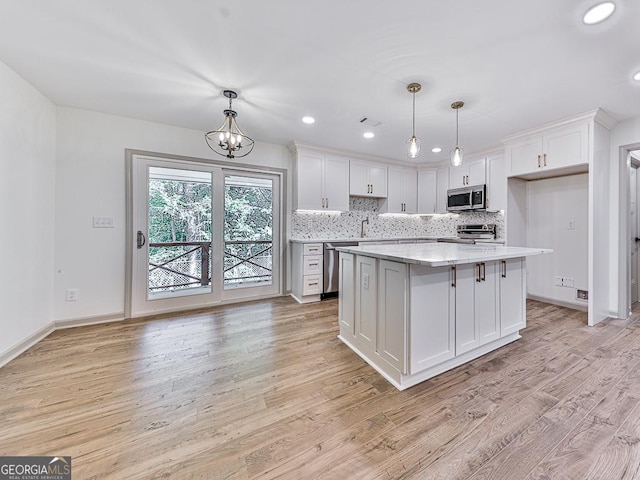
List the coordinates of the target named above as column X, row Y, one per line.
column 572, row 225
column 558, row 281
column 365, row 281
column 71, row 295
column 567, row 282
column 102, row 222
column 582, row 294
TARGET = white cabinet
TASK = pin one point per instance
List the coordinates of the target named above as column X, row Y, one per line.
column 306, row 271
column 471, row 172
column 427, row 191
column 477, row 319
column 496, row 182
column 441, row 190
column 512, row 281
column 402, row 191
column 321, row 182
column 560, row 148
column 432, row 319
column 392, row 313
column 346, row 295
column 367, row 179
column 366, row 302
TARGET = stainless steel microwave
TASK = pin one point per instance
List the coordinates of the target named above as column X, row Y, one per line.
column 467, row 198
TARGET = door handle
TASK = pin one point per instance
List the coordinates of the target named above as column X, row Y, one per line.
column 478, row 279
column 141, row 240
column 453, row 276
column 504, row 268
column 484, row 271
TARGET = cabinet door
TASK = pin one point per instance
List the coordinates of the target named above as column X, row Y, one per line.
column 496, row 183
column 486, row 303
column 392, row 313
column 458, row 176
column 378, row 180
column 393, row 202
column 358, row 179
column 467, row 334
column 566, row 147
column 366, row 303
column 336, row 183
column 410, row 190
column 309, row 170
column 476, row 172
column 512, row 295
column 431, row 317
column 427, row 190
column 441, row 191
column 346, row 295
column 525, row 156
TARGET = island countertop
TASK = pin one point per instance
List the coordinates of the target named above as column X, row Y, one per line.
column 443, row 254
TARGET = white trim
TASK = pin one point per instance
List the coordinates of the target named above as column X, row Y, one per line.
column 560, row 303
column 86, row 321
column 26, row 344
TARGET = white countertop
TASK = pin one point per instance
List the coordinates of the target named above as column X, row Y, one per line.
column 360, row 239
column 442, row 254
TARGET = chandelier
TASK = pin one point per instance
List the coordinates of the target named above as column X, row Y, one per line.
column 229, row 140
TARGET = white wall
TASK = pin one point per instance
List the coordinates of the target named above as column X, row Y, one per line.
column 27, row 182
column 551, row 204
column 624, row 133
column 91, row 182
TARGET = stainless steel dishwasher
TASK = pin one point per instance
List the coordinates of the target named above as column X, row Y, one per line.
column 331, row 267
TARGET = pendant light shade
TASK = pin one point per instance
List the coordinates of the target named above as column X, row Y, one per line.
column 413, row 144
column 456, row 154
column 228, row 140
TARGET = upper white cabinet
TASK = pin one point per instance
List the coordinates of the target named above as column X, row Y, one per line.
column 321, row 182
column 427, row 191
column 496, row 182
column 367, row 179
column 471, row 172
column 402, row 191
column 441, row 189
column 556, row 149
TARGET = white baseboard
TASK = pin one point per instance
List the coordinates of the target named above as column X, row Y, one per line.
column 26, row 344
column 560, row 303
column 84, row 321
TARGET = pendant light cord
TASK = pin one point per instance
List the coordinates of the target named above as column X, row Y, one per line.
column 457, row 109
column 414, row 115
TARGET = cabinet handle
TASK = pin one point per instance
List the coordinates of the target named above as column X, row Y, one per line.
column 484, row 271
column 327, row 199
column 453, row 277
column 478, row 273
column 544, row 158
column 538, row 161
column 504, row 268
column 313, row 283
column 372, row 188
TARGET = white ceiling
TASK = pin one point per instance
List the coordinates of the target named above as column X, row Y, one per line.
column 515, row 64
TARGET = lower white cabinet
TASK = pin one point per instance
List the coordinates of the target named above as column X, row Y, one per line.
column 412, row 322
column 307, row 271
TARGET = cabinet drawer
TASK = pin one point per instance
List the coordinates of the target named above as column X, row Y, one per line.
column 312, row 249
column 312, row 264
column 312, row 285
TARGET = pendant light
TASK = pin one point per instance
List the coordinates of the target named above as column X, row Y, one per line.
column 456, row 153
column 413, row 144
column 228, row 140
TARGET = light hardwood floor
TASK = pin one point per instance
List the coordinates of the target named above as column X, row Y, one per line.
column 266, row 390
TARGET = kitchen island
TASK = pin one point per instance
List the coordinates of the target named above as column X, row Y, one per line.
column 415, row 311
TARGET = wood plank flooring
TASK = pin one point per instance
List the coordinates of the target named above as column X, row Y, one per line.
column 266, row 390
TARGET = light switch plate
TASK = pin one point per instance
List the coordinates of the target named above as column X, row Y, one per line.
column 102, row 222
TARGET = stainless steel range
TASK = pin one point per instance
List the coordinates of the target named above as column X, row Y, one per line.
column 472, row 234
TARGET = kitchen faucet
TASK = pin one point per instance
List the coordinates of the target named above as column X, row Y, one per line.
column 366, row 220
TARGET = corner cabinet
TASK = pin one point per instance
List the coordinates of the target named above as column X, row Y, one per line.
column 321, row 181
column 402, row 191
column 367, row 179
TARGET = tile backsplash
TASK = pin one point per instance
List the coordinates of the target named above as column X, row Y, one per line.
column 320, row 225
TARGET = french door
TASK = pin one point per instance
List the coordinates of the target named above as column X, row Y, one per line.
column 202, row 234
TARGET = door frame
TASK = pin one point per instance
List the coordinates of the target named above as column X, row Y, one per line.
column 624, row 241
column 130, row 156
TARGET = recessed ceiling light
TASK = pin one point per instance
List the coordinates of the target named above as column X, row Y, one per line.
column 636, row 77
column 599, row 13
column 308, row 120
column 368, row 135
column 436, row 149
